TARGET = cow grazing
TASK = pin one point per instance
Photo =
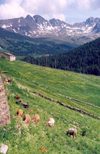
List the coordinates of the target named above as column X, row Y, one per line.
column 50, row 122
column 17, row 96
column 20, row 113
column 36, row 118
column 8, row 81
column 72, row 132
column 27, row 118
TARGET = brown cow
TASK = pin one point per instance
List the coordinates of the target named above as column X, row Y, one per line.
column 27, row 118
column 36, row 118
column 17, row 96
column 72, row 132
column 20, row 113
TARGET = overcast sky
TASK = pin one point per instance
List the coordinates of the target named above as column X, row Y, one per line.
column 70, row 11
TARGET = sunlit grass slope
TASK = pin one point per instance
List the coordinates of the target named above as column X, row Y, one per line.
column 52, row 83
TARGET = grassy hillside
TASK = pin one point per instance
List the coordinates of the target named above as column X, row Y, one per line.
column 51, row 83
column 23, row 45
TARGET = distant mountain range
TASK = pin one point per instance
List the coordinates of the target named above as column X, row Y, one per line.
column 37, row 27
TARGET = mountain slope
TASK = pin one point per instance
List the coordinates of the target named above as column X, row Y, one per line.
column 23, row 45
column 85, row 59
column 38, row 27
column 50, row 82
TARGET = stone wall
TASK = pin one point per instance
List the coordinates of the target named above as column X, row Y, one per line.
column 4, row 107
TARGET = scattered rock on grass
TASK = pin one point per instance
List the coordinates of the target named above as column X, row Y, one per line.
column 3, row 149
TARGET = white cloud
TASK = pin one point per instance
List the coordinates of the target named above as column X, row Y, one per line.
column 11, row 9
column 85, row 4
column 47, row 8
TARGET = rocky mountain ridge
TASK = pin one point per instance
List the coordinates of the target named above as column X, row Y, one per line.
column 37, row 26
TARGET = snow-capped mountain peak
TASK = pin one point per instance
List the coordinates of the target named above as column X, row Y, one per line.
column 38, row 26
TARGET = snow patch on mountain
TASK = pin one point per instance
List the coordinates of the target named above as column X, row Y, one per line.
column 37, row 26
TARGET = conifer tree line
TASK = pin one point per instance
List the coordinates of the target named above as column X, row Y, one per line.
column 85, row 59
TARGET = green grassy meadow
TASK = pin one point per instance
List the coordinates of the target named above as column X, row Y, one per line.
column 52, row 83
